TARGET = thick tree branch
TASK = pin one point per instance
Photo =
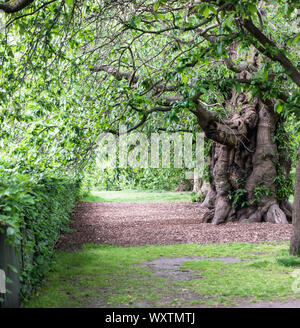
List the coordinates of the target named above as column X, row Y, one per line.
column 239, row 68
column 275, row 54
column 183, row 29
column 221, row 131
column 15, row 5
column 152, row 110
column 130, row 76
column 140, row 123
column 133, row 78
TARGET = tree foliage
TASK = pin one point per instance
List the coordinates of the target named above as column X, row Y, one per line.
column 74, row 69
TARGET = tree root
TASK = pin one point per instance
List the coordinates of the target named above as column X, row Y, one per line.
column 276, row 215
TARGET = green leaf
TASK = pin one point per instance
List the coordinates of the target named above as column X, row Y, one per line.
column 12, row 268
column 251, row 8
column 278, row 107
column 156, row 5
column 295, row 40
column 238, row 87
column 69, row 3
column 184, row 78
column 206, row 11
column 10, row 231
column 220, row 49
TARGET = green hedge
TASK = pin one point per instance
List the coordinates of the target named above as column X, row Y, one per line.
column 33, row 212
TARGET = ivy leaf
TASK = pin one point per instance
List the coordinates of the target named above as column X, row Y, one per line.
column 279, row 107
column 238, row 87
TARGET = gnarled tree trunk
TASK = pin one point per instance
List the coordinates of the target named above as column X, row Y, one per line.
column 244, row 158
column 243, row 176
column 295, row 239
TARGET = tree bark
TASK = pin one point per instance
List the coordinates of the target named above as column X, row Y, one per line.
column 295, row 239
column 197, row 182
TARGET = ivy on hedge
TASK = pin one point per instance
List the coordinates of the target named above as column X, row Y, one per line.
column 33, row 212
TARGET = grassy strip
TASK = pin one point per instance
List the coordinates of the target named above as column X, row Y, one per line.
column 104, row 275
column 137, row 196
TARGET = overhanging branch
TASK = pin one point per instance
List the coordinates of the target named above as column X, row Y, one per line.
column 133, row 78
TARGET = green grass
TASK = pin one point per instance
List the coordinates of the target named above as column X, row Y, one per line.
column 137, row 196
column 289, row 261
column 116, row 276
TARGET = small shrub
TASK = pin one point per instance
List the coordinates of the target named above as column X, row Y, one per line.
column 197, row 197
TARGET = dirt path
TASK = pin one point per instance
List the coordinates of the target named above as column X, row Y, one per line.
column 134, row 224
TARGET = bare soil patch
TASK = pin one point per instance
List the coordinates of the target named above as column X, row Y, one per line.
column 135, row 224
column 170, row 267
